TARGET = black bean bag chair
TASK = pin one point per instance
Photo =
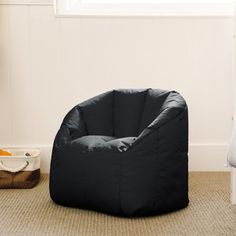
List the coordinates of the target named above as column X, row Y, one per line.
column 124, row 152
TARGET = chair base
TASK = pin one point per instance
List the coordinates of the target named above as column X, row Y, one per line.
column 137, row 214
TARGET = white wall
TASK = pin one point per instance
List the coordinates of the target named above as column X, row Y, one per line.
column 48, row 64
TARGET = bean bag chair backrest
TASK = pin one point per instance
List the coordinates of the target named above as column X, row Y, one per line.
column 120, row 113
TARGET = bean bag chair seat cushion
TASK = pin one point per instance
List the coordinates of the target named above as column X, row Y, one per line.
column 124, row 152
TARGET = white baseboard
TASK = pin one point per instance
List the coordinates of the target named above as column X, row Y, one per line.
column 45, row 155
column 202, row 157
column 208, row 157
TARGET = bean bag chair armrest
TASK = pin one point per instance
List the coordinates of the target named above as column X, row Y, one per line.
column 72, row 127
column 175, row 107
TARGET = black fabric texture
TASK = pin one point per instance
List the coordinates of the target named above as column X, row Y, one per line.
column 124, row 152
column 127, row 110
